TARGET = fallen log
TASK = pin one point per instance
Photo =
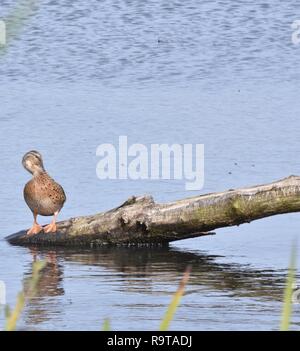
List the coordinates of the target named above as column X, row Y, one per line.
column 141, row 221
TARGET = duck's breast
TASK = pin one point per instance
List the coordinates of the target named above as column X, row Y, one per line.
column 43, row 195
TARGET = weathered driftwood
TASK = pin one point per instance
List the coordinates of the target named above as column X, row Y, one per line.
column 141, row 221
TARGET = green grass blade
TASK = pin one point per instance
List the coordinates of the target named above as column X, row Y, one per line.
column 175, row 302
column 288, row 293
column 13, row 316
column 11, row 321
column 106, row 325
column 16, row 20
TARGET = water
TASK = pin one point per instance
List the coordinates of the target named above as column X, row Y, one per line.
column 76, row 75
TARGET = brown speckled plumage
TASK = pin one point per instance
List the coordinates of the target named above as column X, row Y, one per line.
column 42, row 194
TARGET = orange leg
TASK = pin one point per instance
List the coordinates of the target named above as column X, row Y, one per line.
column 36, row 228
column 51, row 228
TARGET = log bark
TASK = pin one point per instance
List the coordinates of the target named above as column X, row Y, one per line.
column 141, row 221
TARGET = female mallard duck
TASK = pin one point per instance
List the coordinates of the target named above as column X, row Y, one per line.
column 42, row 194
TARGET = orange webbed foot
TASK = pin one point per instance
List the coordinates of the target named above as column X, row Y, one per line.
column 50, row 228
column 35, row 229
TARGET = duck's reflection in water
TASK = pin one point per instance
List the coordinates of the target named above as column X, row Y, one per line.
column 49, row 286
column 140, row 270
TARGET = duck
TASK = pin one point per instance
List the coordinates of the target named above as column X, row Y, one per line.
column 42, row 194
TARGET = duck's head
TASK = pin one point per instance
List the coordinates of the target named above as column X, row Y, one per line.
column 33, row 162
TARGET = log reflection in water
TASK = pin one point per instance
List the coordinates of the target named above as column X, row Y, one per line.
column 167, row 265
column 140, row 270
